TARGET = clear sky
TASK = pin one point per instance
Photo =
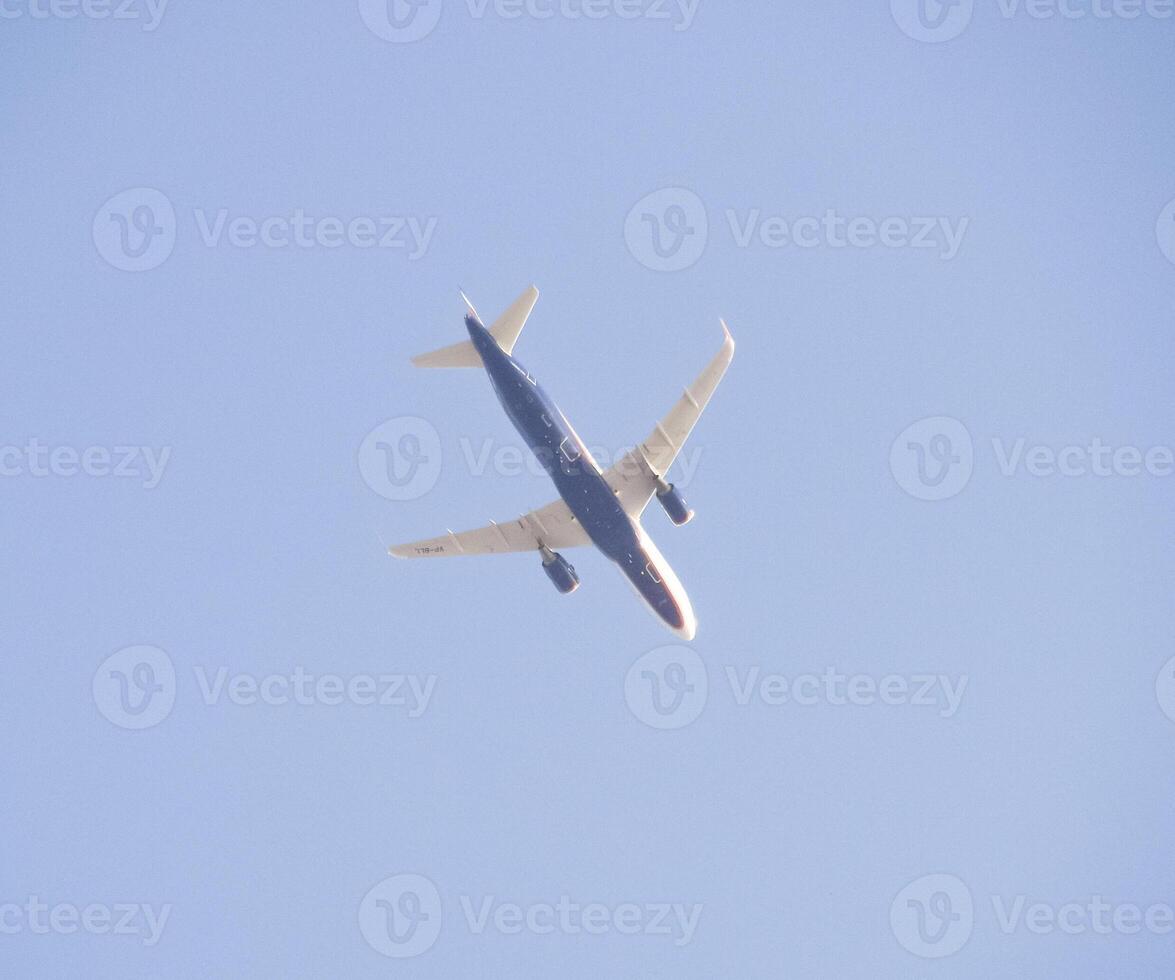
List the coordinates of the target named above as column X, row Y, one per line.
column 929, row 710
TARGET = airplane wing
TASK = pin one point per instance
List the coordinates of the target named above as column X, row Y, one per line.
column 634, row 478
column 553, row 525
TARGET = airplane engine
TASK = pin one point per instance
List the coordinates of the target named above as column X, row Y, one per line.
column 674, row 504
column 560, row 571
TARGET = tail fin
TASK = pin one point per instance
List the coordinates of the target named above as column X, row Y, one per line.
column 505, row 331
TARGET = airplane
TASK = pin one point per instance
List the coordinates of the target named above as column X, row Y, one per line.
column 595, row 507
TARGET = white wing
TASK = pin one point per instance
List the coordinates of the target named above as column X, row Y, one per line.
column 634, row 478
column 554, row 526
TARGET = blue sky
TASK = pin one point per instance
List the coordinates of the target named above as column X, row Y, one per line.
column 925, row 727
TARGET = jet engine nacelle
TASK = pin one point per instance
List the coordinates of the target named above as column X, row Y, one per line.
column 560, row 571
column 674, row 505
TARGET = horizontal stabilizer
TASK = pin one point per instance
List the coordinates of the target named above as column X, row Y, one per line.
column 504, row 330
column 460, row 355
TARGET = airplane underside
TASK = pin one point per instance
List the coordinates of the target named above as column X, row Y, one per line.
column 596, row 507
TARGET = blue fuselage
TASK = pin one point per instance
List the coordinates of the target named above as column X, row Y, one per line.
column 575, row 474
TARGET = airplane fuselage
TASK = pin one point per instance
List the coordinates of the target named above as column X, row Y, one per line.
column 581, row 484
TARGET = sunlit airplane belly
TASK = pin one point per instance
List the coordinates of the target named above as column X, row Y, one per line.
column 580, row 483
column 658, row 585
